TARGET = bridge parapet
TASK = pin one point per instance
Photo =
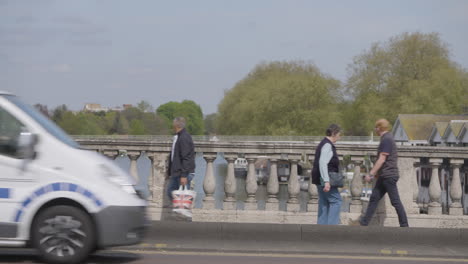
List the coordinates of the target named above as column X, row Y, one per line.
column 430, row 201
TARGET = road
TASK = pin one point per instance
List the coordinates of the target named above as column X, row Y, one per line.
column 179, row 257
column 214, row 243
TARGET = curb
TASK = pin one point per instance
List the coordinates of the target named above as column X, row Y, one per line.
column 306, row 233
column 293, row 239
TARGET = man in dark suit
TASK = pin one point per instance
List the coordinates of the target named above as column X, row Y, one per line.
column 182, row 158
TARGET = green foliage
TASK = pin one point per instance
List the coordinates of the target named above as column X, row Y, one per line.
column 187, row 109
column 82, row 123
column 144, row 106
column 132, row 121
column 210, row 124
column 154, row 124
column 137, row 127
column 57, row 113
column 280, row 98
column 408, row 74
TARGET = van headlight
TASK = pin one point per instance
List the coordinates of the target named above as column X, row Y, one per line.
column 120, row 179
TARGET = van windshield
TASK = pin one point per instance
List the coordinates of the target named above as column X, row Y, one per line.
column 48, row 125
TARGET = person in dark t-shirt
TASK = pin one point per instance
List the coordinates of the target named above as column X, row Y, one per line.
column 386, row 172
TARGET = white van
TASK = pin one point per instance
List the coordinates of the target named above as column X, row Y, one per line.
column 57, row 197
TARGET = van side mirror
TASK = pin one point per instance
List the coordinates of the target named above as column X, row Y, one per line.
column 26, row 145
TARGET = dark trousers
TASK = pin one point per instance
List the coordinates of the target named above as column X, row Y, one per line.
column 383, row 186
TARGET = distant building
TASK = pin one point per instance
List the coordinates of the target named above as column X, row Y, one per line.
column 425, row 129
column 92, row 107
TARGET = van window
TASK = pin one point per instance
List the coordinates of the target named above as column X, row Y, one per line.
column 48, row 125
column 10, row 129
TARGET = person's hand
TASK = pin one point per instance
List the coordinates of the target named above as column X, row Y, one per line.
column 327, row 187
column 368, row 178
column 183, row 181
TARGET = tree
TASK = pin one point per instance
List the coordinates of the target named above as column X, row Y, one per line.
column 410, row 73
column 167, row 111
column 120, row 126
column 58, row 112
column 43, row 109
column 89, row 124
column 154, row 124
column 136, row 127
column 187, row 109
column 68, row 122
column 107, row 122
column 210, row 124
column 144, row 106
column 132, row 113
column 82, row 123
column 280, row 98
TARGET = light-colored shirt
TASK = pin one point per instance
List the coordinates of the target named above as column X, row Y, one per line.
column 326, row 155
column 173, row 146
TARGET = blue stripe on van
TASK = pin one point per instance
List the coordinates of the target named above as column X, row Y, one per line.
column 54, row 187
column 4, row 193
column 18, row 215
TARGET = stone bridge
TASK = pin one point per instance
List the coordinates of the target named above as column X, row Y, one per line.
column 432, row 181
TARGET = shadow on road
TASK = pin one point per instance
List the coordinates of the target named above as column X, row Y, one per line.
column 104, row 257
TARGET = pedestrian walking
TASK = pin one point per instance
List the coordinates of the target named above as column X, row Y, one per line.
column 327, row 161
column 386, row 172
column 182, row 158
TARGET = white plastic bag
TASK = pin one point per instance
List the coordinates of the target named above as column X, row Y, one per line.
column 182, row 201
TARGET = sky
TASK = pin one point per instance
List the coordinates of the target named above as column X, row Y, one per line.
column 116, row 52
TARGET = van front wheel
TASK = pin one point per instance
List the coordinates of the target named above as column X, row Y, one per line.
column 63, row 234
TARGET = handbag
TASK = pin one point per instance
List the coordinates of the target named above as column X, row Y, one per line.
column 182, row 201
column 336, row 179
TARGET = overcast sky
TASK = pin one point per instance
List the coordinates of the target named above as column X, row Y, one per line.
column 114, row 52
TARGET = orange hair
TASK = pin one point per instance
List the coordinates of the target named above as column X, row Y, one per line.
column 383, row 124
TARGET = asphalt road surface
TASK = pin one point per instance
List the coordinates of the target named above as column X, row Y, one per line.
column 175, row 257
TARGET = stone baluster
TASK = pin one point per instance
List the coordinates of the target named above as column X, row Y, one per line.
column 415, row 187
column 356, row 186
column 434, row 188
column 209, row 183
column 157, row 179
column 111, row 154
column 272, row 203
column 133, row 156
column 251, row 185
column 293, row 188
column 456, row 188
column 312, row 205
column 230, row 184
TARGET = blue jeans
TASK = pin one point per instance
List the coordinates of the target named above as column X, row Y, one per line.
column 329, row 207
column 174, row 184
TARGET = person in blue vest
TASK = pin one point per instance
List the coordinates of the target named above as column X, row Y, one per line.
column 326, row 160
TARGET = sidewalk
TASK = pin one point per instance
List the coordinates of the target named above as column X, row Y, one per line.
column 305, row 239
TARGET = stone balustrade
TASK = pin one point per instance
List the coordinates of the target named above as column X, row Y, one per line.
column 412, row 162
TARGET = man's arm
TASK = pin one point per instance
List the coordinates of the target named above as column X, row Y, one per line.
column 385, row 148
column 379, row 163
